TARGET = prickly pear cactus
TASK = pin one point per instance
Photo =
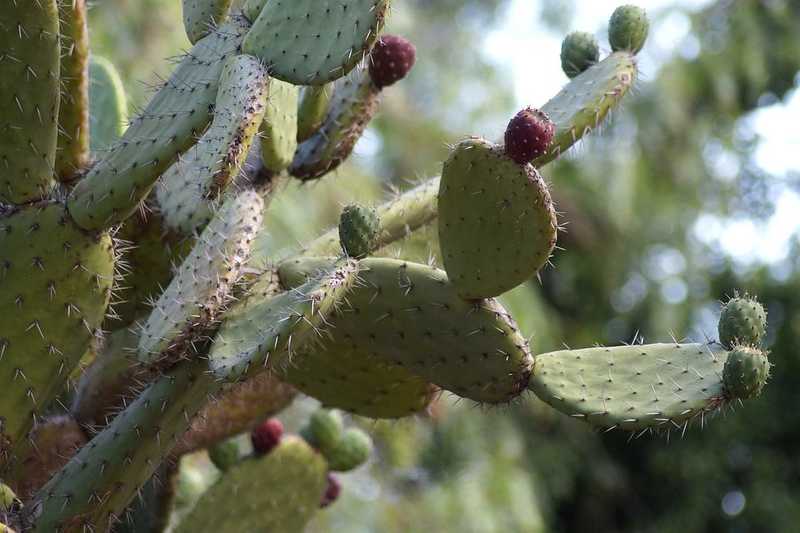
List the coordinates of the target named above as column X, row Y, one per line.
column 128, row 267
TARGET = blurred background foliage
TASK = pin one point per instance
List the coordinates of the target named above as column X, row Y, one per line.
column 665, row 213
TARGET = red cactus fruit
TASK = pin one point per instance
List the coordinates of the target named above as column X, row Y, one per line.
column 529, row 135
column 332, row 492
column 390, row 60
column 266, row 436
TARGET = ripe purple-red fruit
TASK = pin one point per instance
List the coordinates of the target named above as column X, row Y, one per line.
column 529, row 135
column 266, row 436
column 390, row 60
column 332, row 492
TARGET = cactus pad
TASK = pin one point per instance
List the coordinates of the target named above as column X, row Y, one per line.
column 108, row 104
column 743, row 321
column 202, row 173
column 633, row 387
column 260, row 331
column 279, row 127
column 200, row 17
column 583, row 104
column 354, row 103
column 411, row 315
column 311, row 42
column 29, row 83
column 169, row 124
column 497, row 224
column 313, row 107
column 276, row 493
column 746, row 372
column 202, row 285
column 55, row 285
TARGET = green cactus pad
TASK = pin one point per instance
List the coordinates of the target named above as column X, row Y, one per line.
column 55, row 285
column 350, row 452
column 108, row 104
column 497, row 223
column 279, row 127
column 410, row 314
column 579, row 51
column 628, row 28
column 200, row 17
column 311, row 42
column 314, row 103
column 169, row 124
column 633, row 387
column 354, row 103
column 583, row 104
column 324, row 429
column 275, row 493
column 745, row 373
column 72, row 154
column 260, row 331
column 252, row 8
column 743, row 321
column 202, row 174
column 94, row 488
column 358, row 230
column 29, row 83
column 202, row 285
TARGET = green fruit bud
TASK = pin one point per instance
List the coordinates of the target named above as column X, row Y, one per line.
column 745, row 372
column 358, row 230
column 579, row 51
column 351, row 451
column 627, row 29
column 742, row 321
column 324, row 429
column 224, row 454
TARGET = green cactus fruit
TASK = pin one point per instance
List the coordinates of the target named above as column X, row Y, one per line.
column 411, row 315
column 350, row 452
column 55, row 286
column 8, row 498
column 354, row 103
column 649, row 386
column 497, row 223
column 311, row 42
column 258, row 331
column 275, row 493
column 72, row 154
column 29, row 83
column 325, row 429
column 579, row 51
column 279, row 127
column 238, row 409
column 745, row 372
column 224, row 454
column 192, row 184
column 202, row 284
column 398, row 218
column 108, row 104
column 743, row 321
column 358, row 230
column 314, row 103
column 200, row 17
column 628, row 28
column 582, row 105
column 169, row 124
column 94, row 488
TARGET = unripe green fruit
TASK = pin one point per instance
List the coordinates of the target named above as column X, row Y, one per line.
column 627, row 29
column 7, row 498
column 745, row 372
column 742, row 321
column 579, row 51
column 350, row 452
column 324, row 429
column 224, row 454
column 358, row 230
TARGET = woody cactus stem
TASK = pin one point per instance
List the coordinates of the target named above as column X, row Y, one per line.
column 234, row 331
